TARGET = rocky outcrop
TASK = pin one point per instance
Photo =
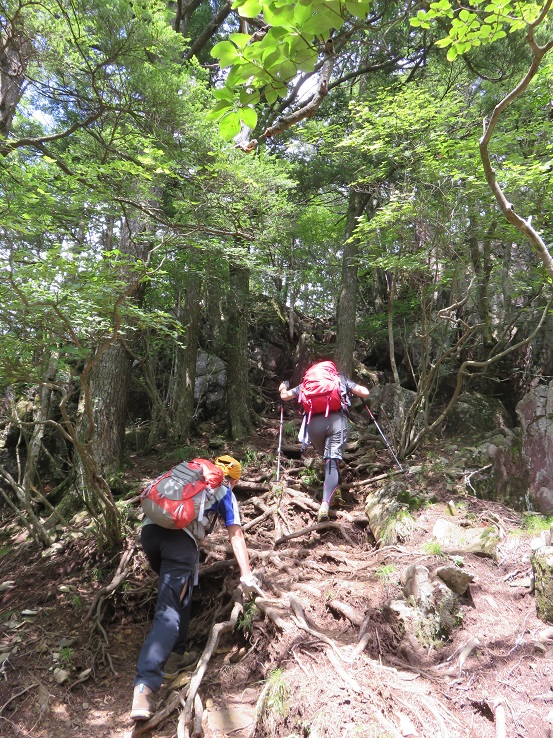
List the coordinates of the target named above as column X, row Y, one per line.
column 391, row 404
column 211, row 382
column 542, row 565
column 475, row 414
column 389, row 517
column 431, row 604
column 535, row 412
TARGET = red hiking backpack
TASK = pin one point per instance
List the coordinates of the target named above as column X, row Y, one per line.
column 321, row 389
column 180, row 496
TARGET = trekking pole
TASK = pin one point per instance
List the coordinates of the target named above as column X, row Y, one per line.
column 384, row 437
column 280, row 440
column 280, row 435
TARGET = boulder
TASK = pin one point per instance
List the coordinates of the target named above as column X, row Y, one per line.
column 475, row 414
column 417, row 587
column 456, row 579
column 542, row 565
column 390, row 404
column 454, row 539
column 390, row 520
column 430, row 609
column 211, row 384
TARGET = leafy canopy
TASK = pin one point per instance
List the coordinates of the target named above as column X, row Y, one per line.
column 479, row 24
column 263, row 64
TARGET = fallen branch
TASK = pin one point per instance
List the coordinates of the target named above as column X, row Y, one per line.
column 216, row 632
column 251, row 487
column 500, row 721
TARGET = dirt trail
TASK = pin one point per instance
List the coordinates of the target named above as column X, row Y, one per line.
column 321, row 655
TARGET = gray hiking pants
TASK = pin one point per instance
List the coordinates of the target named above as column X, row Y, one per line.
column 328, row 435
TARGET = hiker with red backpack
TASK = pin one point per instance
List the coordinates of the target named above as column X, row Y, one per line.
column 180, row 508
column 325, row 395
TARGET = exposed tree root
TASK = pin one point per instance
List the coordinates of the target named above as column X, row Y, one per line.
column 317, row 526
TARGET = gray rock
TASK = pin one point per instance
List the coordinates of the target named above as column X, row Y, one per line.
column 542, row 566
column 416, row 586
column 456, row 579
column 456, row 540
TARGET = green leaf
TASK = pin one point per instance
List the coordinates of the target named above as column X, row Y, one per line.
column 279, row 16
column 358, row 8
column 223, row 93
column 249, row 97
column 226, row 52
column 241, row 73
column 229, row 126
column 275, row 56
column 248, row 9
column 452, row 54
column 245, row 72
column 248, row 116
column 302, row 13
column 240, row 39
column 218, row 110
column 271, row 95
column 306, row 59
column 320, row 24
column 287, row 71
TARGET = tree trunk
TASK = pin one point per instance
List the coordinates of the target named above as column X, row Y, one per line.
column 239, row 420
column 184, row 377
column 41, row 415
column 15, row 53
column 391, row 279
column 212, row 312
column 109, row 388
column 481, row 262
column 347, row 302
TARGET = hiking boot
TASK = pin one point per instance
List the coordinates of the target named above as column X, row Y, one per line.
column 142, row 703
column 337, row 499
column 178, row 662
column 323, row 513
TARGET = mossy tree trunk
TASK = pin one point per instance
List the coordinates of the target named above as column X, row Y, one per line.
column 239, row 419
column 347, row 301
column 181, row 390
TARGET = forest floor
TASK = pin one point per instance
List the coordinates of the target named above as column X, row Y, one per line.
column 321, row 655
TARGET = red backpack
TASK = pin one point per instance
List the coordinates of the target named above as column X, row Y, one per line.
column 320, row 389
column 180, row 496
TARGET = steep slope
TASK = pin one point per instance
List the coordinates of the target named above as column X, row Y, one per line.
column 323, row 653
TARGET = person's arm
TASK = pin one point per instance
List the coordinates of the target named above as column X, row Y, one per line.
column 360, row 391
column 238, row 543
column 286, row 393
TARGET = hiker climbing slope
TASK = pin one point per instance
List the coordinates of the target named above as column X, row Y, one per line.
column 180, row 507
column 325, row 395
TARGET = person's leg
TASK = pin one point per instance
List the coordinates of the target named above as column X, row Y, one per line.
column 336, row 437
column 177, row 553
column 318, row 429
column 332, row 479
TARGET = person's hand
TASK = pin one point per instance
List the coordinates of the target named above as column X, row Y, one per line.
column 250, row 584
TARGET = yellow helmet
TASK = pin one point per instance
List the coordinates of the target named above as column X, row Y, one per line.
column 229, row 465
